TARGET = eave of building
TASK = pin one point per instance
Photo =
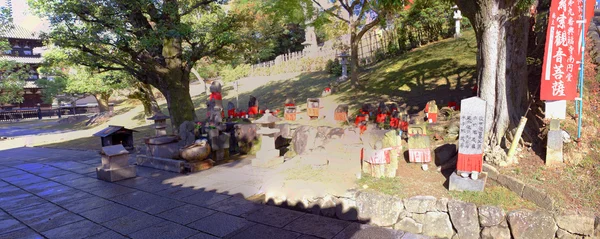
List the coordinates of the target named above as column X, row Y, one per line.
column 18, row 32
column 22, row 59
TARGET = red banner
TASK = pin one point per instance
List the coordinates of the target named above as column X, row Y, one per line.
column 563, row 48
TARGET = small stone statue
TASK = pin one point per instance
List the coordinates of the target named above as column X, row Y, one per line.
column 252, row 106
column 186, row 133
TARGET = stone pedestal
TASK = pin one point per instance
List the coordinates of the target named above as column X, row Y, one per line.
column 115, row 164
column 268, row 155
column 161, row 163
column 162, row 146
column 554, row 148
column 458, row 183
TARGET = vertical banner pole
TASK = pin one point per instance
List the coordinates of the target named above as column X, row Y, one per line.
column 581, row 72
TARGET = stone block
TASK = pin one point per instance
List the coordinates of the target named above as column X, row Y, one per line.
column 490, row 216
column 267, row 162
column 116, row 174
column 458, row 183
column 576, row 224
column 554, row 148
column 378, row 208
column 420, row 204
column 525, row 224
column 409, row 225
column 511, row 183
column 436, row 224
column 160, row 163
column 495, row 232
column 168, row 150
column 538, row 197
column 465, row 219
column 555, row 109
column 113, row 162
column 491, row 171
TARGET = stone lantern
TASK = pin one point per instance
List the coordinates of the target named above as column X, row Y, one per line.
column 160, row 123
column 457, row 17
column 344, row 62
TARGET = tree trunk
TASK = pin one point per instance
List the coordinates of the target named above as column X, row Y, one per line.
column 102, row 102
column 501, row 33
column 148, row 100
column 354, row 61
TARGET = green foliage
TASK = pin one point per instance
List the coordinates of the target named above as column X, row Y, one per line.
column 230, row 74
column 12, row 81
column 426, row 21
column 333, row 67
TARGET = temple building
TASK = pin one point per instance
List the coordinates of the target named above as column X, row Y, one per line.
column 26, row 49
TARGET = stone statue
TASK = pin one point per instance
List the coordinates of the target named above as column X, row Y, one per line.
column 186, row 133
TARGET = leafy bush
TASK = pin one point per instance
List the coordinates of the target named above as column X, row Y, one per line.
column 333, row 67
column 229, row 73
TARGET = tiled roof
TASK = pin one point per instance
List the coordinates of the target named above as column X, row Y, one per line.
column 30, row 85
column 22, row 59
column 19, row 32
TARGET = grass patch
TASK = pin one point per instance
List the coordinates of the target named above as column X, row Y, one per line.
column 495, row 195
column 389, row 186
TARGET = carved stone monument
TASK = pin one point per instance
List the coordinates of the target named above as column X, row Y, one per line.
column 470, row 147
column 252, row 106
column 432, row 111
column 115, row 164
column 289, row 109
column 268, row 155
column 312, row 107
column 160, row 123
column 341, row 113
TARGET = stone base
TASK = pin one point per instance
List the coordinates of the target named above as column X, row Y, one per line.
column 267, row 162
column 199, row 166
column 116, row 174
column 160, row 163
column 272, row 153
column 554, row 149
column 458, row 183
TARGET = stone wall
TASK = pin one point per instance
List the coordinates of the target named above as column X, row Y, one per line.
column 445, row 218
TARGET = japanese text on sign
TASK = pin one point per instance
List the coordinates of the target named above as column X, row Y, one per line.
column 563, row 49
column 471, row 132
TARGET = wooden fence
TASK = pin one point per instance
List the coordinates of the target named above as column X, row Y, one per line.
column 34, row 113
column 371, row 43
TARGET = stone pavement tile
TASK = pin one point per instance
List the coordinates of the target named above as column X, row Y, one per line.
column 203, row 198
column 132, row 222
column 176, row 192
column 4, row 215
column 260, row 231
column 45, row 217
column 107, row 235
column 3, row 184
column 408, row 235
column 85, row 204
column 144, row 184
column 69, row 165
column 106, row 213
column 11, row 173
column 68, row 196
column 14, row 203
column 25, row 233
column 9, row 225
column 39, row 187
column 91, row 175
column 164, row 230
column 85, row 182
column 54, row 191
column 52, row 173
column 363, row 231
column 317, row 226
column 66, row 177
column 24, row 179
column 95, row 162
column 273, row 216
column 221, row 224
column 146, row 202
column 110, row 191
column 202, row 235
column 236, row 206
column 156, row 174
column 244, row 191
column 77, row 230
column 313, row 237
column 186, row 214
column 89, row 169
column 31, row 166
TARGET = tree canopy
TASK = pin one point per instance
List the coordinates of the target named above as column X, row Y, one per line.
column 158, row 42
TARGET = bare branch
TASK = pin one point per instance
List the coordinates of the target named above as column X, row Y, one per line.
column 367, row 27
column 330, row 13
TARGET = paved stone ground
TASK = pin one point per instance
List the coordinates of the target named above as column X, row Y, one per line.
column 52, row 193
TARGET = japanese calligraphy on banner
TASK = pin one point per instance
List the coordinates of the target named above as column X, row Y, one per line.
column 563, row 49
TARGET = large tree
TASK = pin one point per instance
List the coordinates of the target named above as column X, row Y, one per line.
column 159, row 42
column 360, row 16
column 501, row 28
